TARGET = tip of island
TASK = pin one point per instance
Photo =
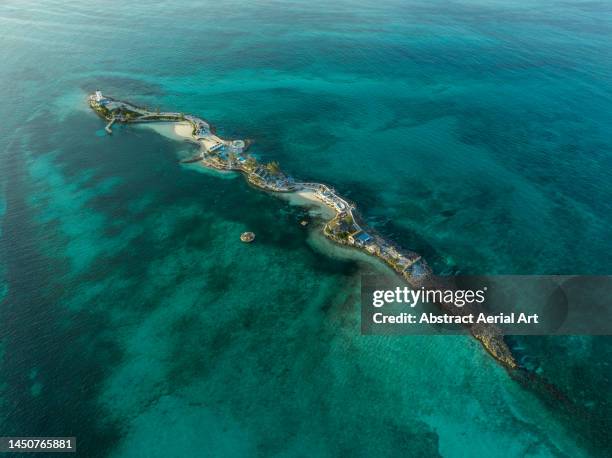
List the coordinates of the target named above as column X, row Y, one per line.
column 345, row 227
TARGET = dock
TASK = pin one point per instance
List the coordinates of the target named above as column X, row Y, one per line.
column 109, row 125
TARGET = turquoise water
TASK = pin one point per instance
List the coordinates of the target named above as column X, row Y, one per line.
column 474, row 132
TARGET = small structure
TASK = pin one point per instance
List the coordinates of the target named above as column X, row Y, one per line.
column 263, row 174
column 304, row 222
column 247, row 237
column 340, row 206
column 215, row 147
column 390, row 252
column 418, row 270
column 373, row 248
column 98, row 96
column 202, row 131
column 360, row 238
column 403, row 263
column 237, row 146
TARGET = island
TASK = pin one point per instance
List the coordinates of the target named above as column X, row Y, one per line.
column 344, row 228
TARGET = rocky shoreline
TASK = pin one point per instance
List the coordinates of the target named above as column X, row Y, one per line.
column 345, row 228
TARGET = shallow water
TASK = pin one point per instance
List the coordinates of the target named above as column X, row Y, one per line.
column 476, row 133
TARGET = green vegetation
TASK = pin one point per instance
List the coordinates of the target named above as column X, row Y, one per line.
column 339, row 228
column 104, row 111
column 273, row 168
column 342, row 236
column 250, row 163
column 101, row 110
column 334, row 230
column 129, row 115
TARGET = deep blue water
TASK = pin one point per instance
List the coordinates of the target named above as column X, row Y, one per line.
column 474, row 132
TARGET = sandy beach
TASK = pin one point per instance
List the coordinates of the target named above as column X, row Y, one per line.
column 308, row 199
column 183, row 129
column 174, row 130
column 310, row 195
column 317, row 240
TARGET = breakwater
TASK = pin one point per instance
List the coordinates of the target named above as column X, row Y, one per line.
column 345, row 227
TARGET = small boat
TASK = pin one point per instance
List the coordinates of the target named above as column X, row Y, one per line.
column 304, row 222
column 247, row 237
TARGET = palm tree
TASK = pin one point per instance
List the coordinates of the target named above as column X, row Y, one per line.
column 250, row 162
column 273, row 168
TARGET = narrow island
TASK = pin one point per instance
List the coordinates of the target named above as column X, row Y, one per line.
column 344, row 228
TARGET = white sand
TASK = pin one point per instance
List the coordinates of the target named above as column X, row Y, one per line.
column 321, row 243
column 173, row 130
column 309, row 195
column 307, row 199
column 183, row 129
column 317, row 240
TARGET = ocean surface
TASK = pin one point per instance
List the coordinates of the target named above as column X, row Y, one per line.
column 475, row 132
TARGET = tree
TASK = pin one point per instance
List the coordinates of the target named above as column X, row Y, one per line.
column 347, row 220
column 250, row 162
column 273, row 168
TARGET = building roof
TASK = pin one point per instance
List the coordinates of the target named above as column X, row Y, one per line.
column 363, row 237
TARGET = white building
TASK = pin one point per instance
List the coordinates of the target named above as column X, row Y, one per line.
column 202, row 133
column 215, row 147
column 202, row 130
column 98, row 96
column 237, row 146
column 360, row 238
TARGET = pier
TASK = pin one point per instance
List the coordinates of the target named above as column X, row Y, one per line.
column 109, row 125
column 343, row 228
